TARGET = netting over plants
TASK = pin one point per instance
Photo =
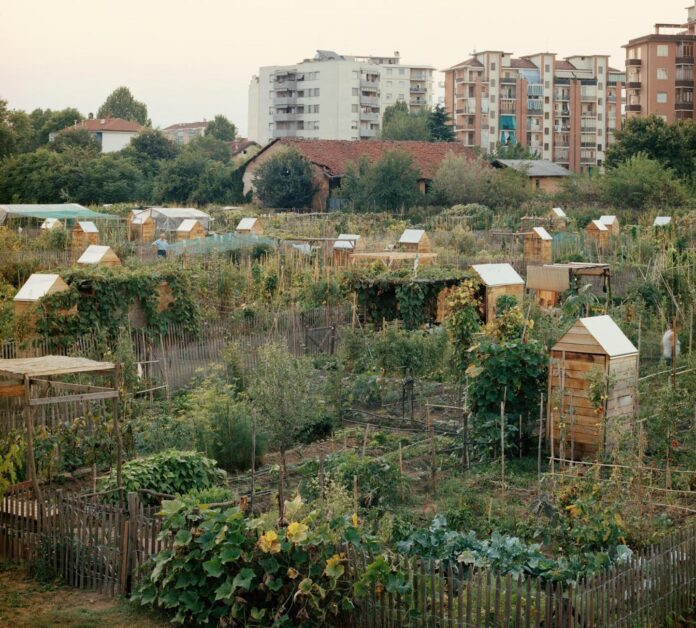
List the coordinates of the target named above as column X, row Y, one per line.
column 220, row 244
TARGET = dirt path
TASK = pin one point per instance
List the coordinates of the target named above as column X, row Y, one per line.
column 25, row 602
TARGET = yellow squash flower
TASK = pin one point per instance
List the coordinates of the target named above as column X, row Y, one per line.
column 297, row 532
column 269, row 543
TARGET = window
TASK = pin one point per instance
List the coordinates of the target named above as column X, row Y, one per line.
column 662, row 50
column 547, row 84
column 546, row 146
column 389, row 71
column 599, row 102
column 600, row 85
column 401, row 96
column 492, row 66
column 662, row 97
column 599, row 147
column 599, row 117
column 600, row 132
column 546, row 115
column 492, row 114
column 492, row 83
column 661, row 74
column 354, row 108
column 546, row 130
column 492, row 97
column 601, row 69
column 354, row 124
column 547, row 68
column 402, row 71
column 546, row 100
column 355, row 91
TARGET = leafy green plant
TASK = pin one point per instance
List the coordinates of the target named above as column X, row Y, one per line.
column 171, row 472
column 221, row 568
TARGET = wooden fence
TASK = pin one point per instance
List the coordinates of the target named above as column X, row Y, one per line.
column 652, row 588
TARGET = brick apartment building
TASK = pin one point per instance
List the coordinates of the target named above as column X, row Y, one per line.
column 565, row 110
column 660, row 71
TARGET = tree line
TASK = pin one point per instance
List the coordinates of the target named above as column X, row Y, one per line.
column 151, row 169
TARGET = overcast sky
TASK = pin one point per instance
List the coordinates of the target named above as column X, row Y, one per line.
column 191, row 60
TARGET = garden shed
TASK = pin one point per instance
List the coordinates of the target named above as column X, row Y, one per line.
column 538, row 246
column 99, row 255
column 249, row 226
column 50, row 224
column 559, row 219
column 612, row 223
column 592, row 359
column 141, row 226
column 597, row 232
column 415, row 241
column 190, row 229
column 550, row 280
column 37, row 286
column 498, row 280
column 83, row 234
column 169, row 218
column 345, row 245
column 662, row 221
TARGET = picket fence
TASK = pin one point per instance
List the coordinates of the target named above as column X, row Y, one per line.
column 100, row 546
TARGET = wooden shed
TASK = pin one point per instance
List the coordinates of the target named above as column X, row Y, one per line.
column 99, row 255
column 558, row 218
column 597, row 347
column 345, row 245
column 612, row 223
column 498, row 279
column 37, row 286
column 50, row 224
column 141, row 226
column 190, row 229
column 538, row 246
column 83, row 234
column 415, row 241
column 597, row 232
column 549, row 281
column 662, row 221
column 249, row 226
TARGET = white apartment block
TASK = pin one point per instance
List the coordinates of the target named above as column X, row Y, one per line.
column 333, row 97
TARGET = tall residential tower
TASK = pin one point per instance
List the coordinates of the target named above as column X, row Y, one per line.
column 565, row 110
column 334, row 97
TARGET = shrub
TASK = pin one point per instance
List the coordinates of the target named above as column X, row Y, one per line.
column 172, row 472
column 285, row 181
column 378, row 481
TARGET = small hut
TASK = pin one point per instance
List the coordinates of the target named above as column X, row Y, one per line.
column 415, row 241
column 37, row 286
column 99, row 255
column 597, row 232
column 498, row 279
column 558, row 218
column 611, row 223
column 662, row 221
column 249, row 226
column 141, row 226
column 50, row 224
column 538, row 246
column 83, row 234
column 593, row 347
column 190, row 229
column 344, row 246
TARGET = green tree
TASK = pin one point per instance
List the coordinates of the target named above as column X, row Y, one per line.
column 285, row 181
column 110, row 178
column 512, row 151
column 152, row 145
column 391, row 111
column 641, row 182
column 48, row 122
column 8, row 139
column 440, row 125
column 122, row 104
column 210, row 148
column 218, row 183
column 24, row 133
column 402, row 126
column 76, row 139
column 221, row 129
column 672, row 145
column 179, row 177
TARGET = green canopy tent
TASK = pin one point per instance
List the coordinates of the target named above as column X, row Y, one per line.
column 63, row 211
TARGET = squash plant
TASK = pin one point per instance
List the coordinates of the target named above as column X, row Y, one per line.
column 223, row 568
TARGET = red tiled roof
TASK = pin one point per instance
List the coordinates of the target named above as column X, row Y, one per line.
column 473, row 62
column 521, row 63
column 186, row 125
column 106, row 124
column 335, row 155
column 241, row 143
column 564, row 65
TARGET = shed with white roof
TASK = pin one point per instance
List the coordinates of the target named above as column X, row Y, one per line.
column 415, row 241
column 611, row 222
column 83, row 234
column 249, row 226
column 538, row 246
column 593, row 350
column 498, row 280
column 36, row 287
column 99, row 255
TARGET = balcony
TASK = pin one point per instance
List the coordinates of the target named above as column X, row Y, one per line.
column 633, row 108
column 611, row 98
column 686, row 59
column 286, row 117
column 508, row 81
column 284, row 101
column 284, row 132
column 369, row 101
column 682, row 105
column 371, row 86
column 369, row 116
column 634, row 62
column 418, row 103
column 419, row 76
column 507, row 106
column 418, row 89
column 561, row 154
column 368, row 133
column 634, row 84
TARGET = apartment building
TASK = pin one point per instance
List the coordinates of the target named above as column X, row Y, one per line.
column 333, row 97
column 565, row 110
column 660, row 71
column 184, row 132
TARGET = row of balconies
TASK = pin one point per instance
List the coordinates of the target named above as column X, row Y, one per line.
column 418, row 89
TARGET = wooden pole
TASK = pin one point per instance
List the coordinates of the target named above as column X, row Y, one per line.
column 253, row 465
column 321, row 477
column 502, row 444
column 364, row 444
column 401, row 468
column 355, row 494
column 29, row 426
column 117, row 429
column 541, row 429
